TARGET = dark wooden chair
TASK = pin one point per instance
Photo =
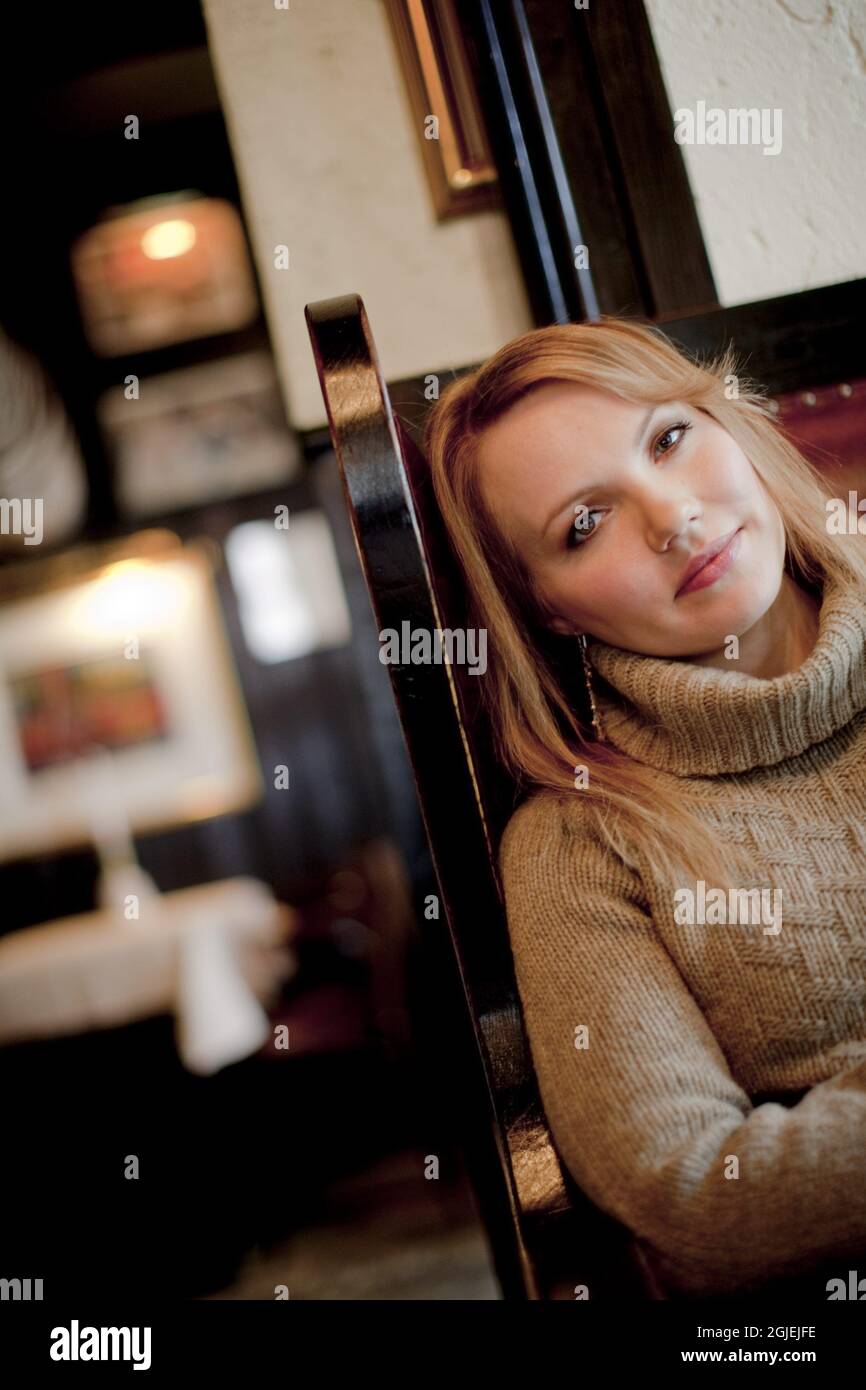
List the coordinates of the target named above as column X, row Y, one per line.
column 546, row 1237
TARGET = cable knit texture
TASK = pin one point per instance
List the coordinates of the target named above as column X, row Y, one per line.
column 653, row 1038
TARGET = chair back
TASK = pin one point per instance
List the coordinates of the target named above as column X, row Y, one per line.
column 545, row 1235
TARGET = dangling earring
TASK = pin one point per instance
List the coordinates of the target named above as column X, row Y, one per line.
column 587, row 675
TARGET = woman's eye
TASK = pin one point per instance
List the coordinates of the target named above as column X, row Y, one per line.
column 580, row 529
column 679, row 428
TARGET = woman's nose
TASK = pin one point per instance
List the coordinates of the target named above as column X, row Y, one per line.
column 668, row 520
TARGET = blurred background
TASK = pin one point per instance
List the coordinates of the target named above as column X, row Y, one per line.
column 226, row 1042
column 230, row 1030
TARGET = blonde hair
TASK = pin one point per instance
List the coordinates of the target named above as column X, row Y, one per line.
column 538, row 732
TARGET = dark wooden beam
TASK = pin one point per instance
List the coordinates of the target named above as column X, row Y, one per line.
column 788, row 343
column 582, row 133
column 667, row 241
column 791, row 343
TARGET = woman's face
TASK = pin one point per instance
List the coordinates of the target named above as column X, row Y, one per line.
column 607, row 502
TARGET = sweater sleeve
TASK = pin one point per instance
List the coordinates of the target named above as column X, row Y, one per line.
column 642, row 1105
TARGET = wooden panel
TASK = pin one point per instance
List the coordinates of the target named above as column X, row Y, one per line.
column 790, row 343
column 584, row 142
column 668, row 242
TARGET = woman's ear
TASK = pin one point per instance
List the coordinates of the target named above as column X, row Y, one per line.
column 546, row 617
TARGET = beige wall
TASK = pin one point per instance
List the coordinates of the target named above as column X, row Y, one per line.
column 774, row 224
column 329, row 165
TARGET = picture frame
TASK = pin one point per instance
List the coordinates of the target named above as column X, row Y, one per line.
column 175, row 735
column 198, row 434
column 163, row 270
column 440, row 83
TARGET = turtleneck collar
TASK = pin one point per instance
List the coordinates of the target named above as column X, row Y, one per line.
column 697, row 720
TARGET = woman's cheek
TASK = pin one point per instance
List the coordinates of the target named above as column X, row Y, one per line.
column 614, row 594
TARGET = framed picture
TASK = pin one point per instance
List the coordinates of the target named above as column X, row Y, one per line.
column 61, row 712
column 192, row 436
column 445, row 109
column 119, row 699
column 163, row 270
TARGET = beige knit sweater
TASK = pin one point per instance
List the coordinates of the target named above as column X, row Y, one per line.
column 653, row 1038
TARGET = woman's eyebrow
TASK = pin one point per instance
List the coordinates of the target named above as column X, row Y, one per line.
column 588, row 487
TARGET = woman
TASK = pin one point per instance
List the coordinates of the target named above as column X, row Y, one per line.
column 686, row 881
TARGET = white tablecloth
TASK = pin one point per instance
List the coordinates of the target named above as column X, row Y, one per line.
column 209, row 954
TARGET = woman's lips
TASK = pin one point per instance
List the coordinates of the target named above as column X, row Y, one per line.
column 715, row 568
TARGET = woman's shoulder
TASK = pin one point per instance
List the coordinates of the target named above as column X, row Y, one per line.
column 554, row 849
column 545, row 817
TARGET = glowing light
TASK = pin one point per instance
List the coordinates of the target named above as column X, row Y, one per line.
column 130, row 596
column 167, row 239
column 289, row 588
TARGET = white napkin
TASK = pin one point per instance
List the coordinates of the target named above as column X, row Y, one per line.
column 231, row 952
column 218, row 1019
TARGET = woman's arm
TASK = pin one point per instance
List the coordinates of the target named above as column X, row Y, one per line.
column 647, row 1116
